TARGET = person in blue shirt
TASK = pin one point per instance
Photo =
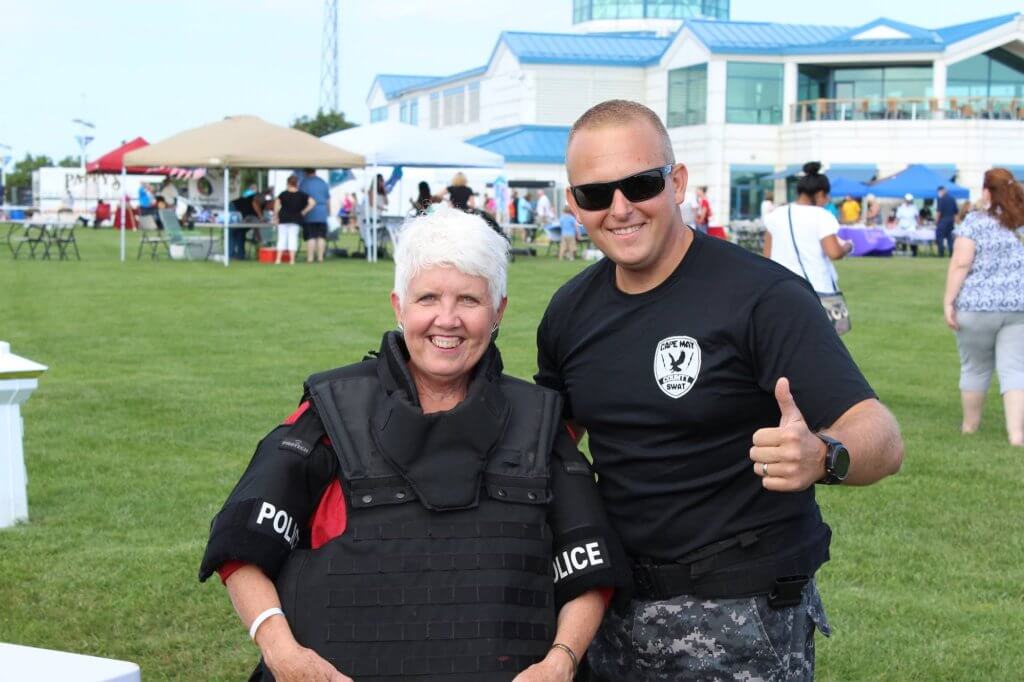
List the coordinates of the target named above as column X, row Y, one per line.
column 945, row 214
column 524, row 210
column 314, row 229
column 569, row 226
column 147, row 203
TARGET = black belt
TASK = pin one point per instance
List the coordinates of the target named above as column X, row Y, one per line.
column 734, row 568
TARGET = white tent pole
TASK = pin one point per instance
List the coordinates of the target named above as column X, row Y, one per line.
column 374, row 211
column 227, row 221
column 124, row 195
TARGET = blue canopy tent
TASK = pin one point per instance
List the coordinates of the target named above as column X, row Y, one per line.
column 842, row 187
column 918, row 180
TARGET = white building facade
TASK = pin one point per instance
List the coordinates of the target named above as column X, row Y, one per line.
column 746, row 104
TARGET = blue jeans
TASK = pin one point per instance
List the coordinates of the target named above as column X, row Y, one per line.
column 236, row 243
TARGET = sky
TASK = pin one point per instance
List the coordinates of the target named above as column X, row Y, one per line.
column 143, row 67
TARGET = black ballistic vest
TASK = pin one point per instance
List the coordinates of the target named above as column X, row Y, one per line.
column 445, row 568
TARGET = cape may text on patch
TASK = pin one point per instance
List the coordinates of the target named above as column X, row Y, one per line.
column 676, row 365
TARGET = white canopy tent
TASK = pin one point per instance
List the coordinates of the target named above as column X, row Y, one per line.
column 389, row 143
column 241, row 142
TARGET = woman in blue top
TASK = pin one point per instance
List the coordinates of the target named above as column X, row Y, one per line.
column 984, row 302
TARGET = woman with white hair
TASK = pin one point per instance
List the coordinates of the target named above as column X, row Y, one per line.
column 421, row 515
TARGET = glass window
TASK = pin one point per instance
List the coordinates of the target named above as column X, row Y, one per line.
column 435, row 110
column 812, row 83
column 378, row 114
column 414, row 112
column 454, row 106
column 716, row 9
column 753, row 93
column 997, row 73
column 474, row 102
column 403, row 112
column 747, row 189
column 688, row 96
column 587, row 10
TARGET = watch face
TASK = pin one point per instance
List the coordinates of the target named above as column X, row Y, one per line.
column 841, row 462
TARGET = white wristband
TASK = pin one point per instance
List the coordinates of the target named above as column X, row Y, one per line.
column 262, row 617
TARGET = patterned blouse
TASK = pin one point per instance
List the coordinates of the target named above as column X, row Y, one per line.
column 995, row 282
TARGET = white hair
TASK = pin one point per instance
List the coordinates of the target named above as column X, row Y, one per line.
column 454, row 238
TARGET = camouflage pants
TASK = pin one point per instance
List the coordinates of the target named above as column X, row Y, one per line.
column 688, row 638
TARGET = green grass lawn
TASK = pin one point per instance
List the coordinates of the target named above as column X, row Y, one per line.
column 163, row 375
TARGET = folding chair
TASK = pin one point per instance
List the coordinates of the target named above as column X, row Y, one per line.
column 149, row 235
column 554, row 233
column 64, row 238
column 175, row 235
column 364, row 236
column 35, row 235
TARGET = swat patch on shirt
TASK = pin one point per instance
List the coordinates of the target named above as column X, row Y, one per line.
column 580, row 558
column 269, row 520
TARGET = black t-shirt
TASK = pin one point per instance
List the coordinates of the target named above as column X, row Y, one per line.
column 292, row 204
column 244, row 206
column 672, row 383
column 459, row 196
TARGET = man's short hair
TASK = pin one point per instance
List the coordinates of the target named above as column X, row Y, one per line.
column 615, row 112
column 942, row 187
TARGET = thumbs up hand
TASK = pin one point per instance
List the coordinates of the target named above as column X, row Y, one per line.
column 788, row 458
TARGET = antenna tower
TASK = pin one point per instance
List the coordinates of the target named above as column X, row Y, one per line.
column 329, row 58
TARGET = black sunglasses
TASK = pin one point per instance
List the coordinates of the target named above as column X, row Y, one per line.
column 597, row 196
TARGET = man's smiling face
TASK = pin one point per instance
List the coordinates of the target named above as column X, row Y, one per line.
column 635, row 235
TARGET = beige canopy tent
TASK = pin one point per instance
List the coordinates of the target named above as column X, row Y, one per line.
column 240, row 142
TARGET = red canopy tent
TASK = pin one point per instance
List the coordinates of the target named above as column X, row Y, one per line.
column 112, row 160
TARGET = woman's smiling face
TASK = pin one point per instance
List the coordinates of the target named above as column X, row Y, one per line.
column 448, row 317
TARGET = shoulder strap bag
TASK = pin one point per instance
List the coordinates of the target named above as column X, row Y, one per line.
column 834, row 303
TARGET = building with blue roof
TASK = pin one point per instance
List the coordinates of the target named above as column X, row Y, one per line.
column 746, row 103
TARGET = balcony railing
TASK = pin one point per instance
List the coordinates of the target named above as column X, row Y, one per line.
column 909, row 109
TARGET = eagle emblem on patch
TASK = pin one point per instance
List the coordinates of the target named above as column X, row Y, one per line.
column 676, row 365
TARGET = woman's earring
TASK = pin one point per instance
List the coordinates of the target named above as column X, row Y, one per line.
column 494, row 332
column 400, row 328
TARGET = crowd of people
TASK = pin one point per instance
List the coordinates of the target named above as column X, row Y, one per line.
column 984, row 295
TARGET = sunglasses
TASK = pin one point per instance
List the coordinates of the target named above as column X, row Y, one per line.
column 597, row 196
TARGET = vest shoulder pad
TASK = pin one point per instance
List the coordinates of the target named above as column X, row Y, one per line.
column 365, row 368
column 516, row 387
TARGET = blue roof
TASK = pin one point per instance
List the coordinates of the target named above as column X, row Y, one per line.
column 526, row 143
column 952, row 34
column 392, row 84
column 723, row 37
column 748, row 37
column 758, row 36
column 572, row 48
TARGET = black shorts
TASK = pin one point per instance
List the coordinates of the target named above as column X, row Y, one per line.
column 314, row 231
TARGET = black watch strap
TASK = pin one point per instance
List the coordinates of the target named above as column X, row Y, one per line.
column 837, row 460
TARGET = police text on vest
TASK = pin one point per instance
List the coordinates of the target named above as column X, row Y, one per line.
column 281, row 522
column 583, row 557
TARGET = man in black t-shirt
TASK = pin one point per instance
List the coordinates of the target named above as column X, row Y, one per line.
column 716, row 394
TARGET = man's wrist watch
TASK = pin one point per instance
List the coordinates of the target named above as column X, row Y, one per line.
column 837, row 460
